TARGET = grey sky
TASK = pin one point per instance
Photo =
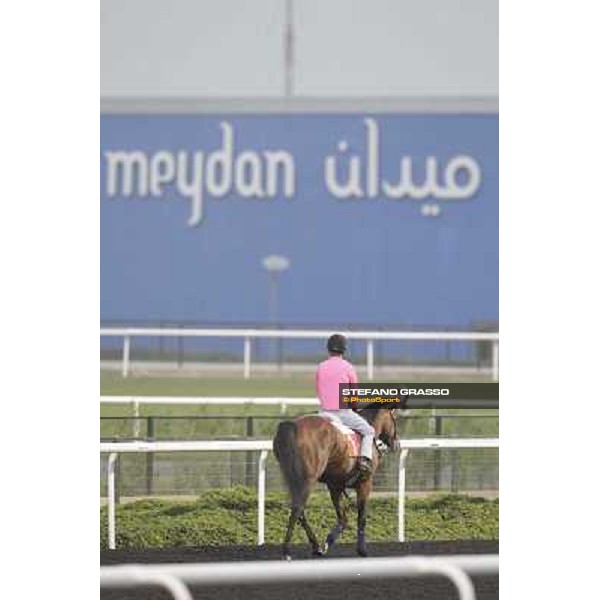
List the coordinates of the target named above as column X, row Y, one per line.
column 160, row 48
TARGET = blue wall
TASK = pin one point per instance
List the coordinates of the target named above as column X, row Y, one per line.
column 371, row 260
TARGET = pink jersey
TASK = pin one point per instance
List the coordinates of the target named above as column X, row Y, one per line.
column 330, row 373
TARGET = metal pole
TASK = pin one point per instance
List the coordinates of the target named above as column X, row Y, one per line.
column 150, row 436
column 179, row 351
column 161, row 343
column 126, row 350
column 262, row 470
column 247, row 354
column 370, row 360
column 289, row 48
column 454, row 473
column 112, row 461
column 402, row 493
column 495, row 360
column 272, row 297
column 249, row 454
column 437, row 456
column 118, row 481
column 273, row 312
column 279, row 354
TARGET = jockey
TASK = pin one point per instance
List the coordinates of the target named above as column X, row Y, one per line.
column 330, row 373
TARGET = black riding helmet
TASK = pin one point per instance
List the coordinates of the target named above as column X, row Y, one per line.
column 337, row 343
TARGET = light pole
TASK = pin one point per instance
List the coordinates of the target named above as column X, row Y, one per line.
column 274, row 264
column 288, row 48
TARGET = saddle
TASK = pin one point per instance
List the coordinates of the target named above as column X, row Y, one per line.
column 352, row 438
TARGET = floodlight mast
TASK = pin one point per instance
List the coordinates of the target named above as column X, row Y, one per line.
column 288, row 41
column 274, row 264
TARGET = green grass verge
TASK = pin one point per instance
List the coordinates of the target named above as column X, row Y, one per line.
column 112, row 384
column 295, row 386
column 224, row 517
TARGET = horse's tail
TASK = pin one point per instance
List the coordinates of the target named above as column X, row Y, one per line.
column 285, row 448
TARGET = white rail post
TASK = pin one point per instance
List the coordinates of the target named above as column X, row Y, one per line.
column 172, row 584
column 464, row 585
column 370, row 360
column 247, row 352
column 495, row 360
column 126, row 350
column 112, row 461
column 402, row 493
column 262, row 471
column 136, row 418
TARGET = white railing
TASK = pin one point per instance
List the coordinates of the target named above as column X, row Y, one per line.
column 173, row 577
column 264, row 447
column 127, row 333
column 137, row 401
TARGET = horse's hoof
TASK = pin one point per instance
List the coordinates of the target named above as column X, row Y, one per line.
column 287, row 557
column 319, row 551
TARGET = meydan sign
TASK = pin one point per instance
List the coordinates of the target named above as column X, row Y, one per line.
column 271, row 173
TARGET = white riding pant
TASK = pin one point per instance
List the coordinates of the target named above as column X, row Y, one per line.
column 355, row 421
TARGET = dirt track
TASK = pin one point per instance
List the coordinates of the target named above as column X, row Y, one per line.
column 432, row 588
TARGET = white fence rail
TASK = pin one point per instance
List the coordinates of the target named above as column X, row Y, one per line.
column 127, row 333
column 173, row 577
column 264, row 447
column 137, row 401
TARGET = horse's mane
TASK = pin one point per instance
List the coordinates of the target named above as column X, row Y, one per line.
column 371, row 411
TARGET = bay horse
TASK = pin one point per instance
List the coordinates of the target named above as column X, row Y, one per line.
column 311, row 449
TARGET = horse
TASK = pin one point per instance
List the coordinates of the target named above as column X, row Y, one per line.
column 311, row 449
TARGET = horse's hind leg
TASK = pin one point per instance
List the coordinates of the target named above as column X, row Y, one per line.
column 310, row 534
column 338, row 528
column 362, row 494
column 295, row 513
